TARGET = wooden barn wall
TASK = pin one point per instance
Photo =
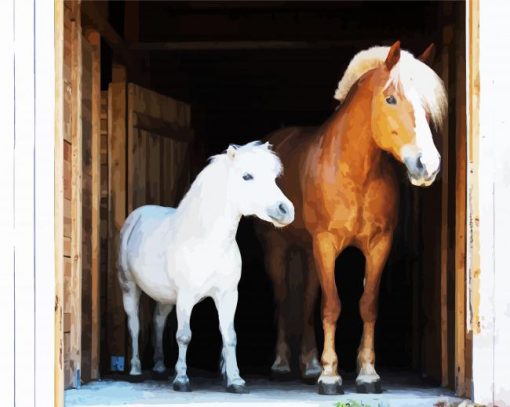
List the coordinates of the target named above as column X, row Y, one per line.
column 148, row 145
column 81, row 173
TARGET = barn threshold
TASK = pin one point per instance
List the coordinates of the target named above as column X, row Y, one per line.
column 399, row 391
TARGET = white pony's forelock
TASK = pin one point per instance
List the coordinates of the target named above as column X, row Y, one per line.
column 409, row 72
column 259, row 150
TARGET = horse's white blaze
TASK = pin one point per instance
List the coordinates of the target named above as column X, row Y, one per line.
column 424, row 140
column 180, row 256
column 423, row 145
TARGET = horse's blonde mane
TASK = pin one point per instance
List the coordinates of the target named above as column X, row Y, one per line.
column 409, row 72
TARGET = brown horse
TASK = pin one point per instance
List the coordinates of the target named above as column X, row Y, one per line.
column 345, row 192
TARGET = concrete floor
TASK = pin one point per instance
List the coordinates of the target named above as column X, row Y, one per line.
column 207, row 391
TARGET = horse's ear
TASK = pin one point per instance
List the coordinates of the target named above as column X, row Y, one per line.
column 268, row 146
column 427, row 57
column 393, row 56
column 231, row 152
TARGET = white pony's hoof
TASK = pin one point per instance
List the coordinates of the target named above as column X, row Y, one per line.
column 237, row 389
column 136, row 368
column 159, row 367
column 181, row 384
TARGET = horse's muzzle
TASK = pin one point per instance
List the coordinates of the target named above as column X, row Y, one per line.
column 419, row 173
column 281, row 213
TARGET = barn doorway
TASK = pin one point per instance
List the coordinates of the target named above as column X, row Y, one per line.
column 246, row 69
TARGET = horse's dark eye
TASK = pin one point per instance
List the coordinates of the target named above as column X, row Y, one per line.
column 391, row 100
column 247, row 177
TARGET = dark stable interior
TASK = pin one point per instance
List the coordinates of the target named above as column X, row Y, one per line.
column 242, row 95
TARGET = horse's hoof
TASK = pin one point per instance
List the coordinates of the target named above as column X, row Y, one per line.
column 330, row 389
column 182, row 386
column 310, row 376
column 159, row 367
column 237, row 389
column 373, row 387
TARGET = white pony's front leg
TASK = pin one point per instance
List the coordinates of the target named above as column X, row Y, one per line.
column 184, row 307
column 226, row 304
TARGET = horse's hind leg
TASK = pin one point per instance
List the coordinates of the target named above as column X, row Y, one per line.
column 368, row 381
column 311, row 368
column 160, row 316
column 276, row 267
column 131, row 299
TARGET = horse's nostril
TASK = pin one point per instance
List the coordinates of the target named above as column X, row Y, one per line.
column 282, row 208
column 419, row 163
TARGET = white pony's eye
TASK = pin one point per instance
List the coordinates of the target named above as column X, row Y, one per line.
column 247, row 177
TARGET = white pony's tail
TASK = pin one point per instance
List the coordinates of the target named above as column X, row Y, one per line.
column 125, row 233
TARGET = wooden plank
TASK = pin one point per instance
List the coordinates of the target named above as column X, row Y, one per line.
column 86, row 187
column 24, row 199
column 460, row 231
column 7, row 139
column 162, row 127
column 76, row 206
column 445, row 61
column 95, row 41
column 153, row 170
column 116, row 344
column 93, row 16
column 460, row 203
column 473, row 188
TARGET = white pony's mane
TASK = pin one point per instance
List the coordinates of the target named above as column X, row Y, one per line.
column 409, row 72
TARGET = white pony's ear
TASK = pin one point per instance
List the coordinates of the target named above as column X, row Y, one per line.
column 231, row 152
column 268, row 146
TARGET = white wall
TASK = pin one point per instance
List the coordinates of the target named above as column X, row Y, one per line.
column 27, row 83
column 491, row 345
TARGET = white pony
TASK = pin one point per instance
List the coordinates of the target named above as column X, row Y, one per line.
column 180, row 256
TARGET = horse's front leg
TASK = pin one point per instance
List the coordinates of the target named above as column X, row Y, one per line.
column 184, row 307
column 368, row 381
column 325, row 252
column 226, row 304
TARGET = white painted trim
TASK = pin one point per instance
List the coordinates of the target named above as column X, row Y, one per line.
column 7, row 202
column 45, row 205
column 491, row 358
column 24, row 202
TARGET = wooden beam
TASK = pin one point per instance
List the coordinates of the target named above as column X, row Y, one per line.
column 248, row 45
column 161, row 127
column 445, row 75
column 121, row 51
column 76, row 202
column 116, row 317
column 94, row 39
column 460, row 201
column 58, row 370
